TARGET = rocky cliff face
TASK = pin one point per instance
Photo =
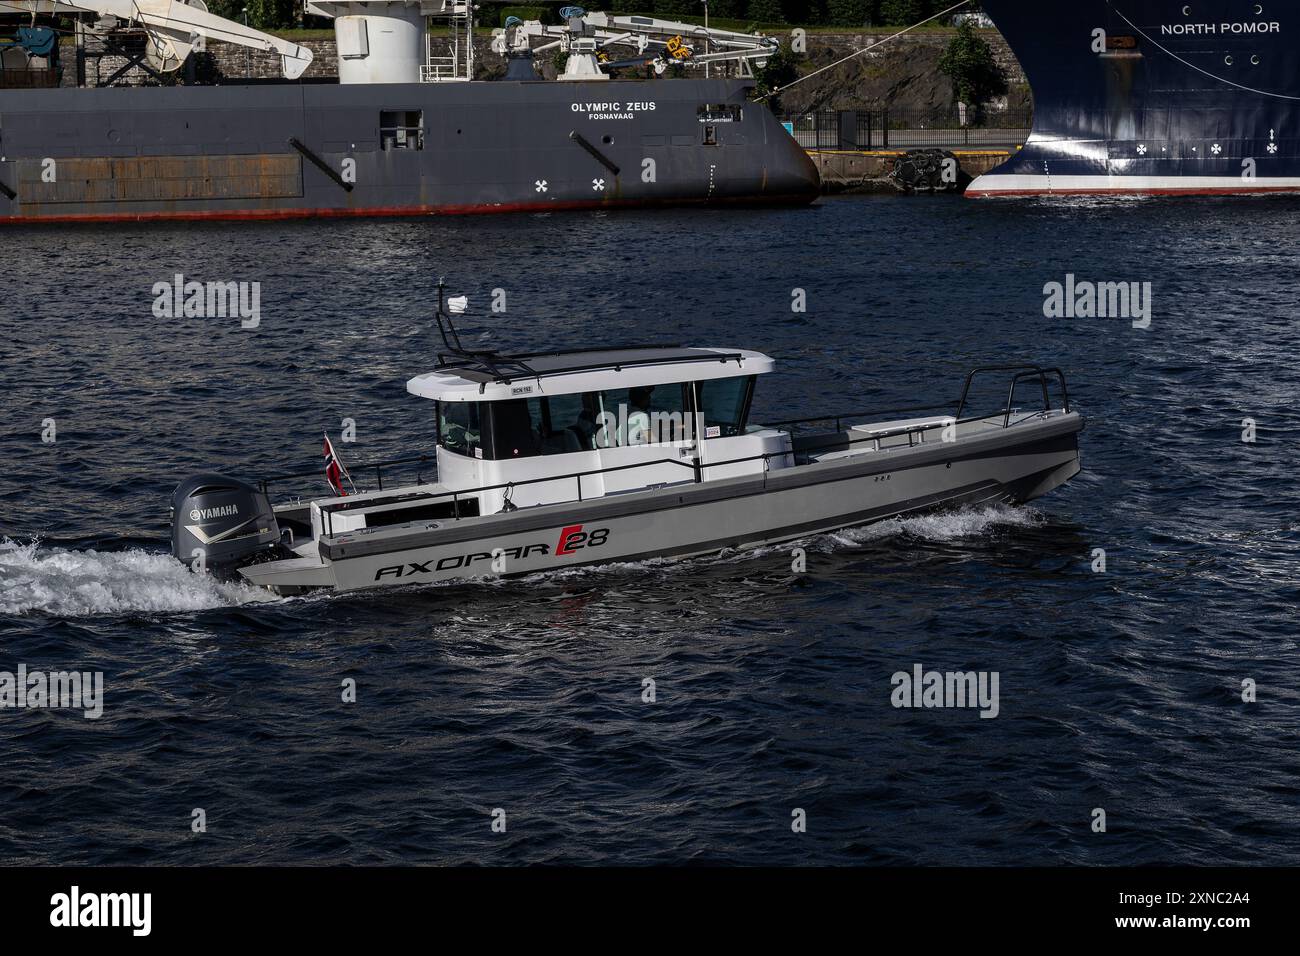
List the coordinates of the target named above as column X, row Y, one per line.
column 901, row 75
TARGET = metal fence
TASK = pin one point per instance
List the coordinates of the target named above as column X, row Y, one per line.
column 908, row 129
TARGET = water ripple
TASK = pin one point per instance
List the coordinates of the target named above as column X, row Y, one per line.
column 1119, row 690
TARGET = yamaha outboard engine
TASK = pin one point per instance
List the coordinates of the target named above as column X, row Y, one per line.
column 227, row 521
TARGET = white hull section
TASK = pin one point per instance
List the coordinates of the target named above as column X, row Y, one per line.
column 1007, row 185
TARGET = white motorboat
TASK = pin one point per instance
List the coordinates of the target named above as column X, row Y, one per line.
column 550, row 460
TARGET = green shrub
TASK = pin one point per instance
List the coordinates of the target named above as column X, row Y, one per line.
column 269, row 14
column 852, row 13
column 676, row 9
column 904, row 13
column 765, row 11
column 974, row 71
column 781, row 70
column 230, row 9
column 542, row 14
column 725, row 9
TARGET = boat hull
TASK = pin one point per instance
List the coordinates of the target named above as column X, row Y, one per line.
column 1013, row 465
column 283, row 151
column 1199, row 99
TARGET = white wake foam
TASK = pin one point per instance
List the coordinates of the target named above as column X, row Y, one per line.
column 961, row 524
column 82, row 583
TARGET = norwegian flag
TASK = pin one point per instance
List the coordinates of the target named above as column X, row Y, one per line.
column 335, row 472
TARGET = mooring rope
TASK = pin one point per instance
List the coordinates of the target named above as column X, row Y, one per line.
column 941, row 13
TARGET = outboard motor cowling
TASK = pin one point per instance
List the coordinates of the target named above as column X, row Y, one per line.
column 225, row 519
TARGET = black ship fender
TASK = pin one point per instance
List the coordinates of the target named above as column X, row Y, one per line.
column 928, row 170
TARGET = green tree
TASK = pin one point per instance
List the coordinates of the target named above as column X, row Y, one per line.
column 904, row 13
column 230, row 9
column 798, row 11
column 675, row 9
column 765, row 11
column 781, row 70
column 970, row 65
column 850, row 13
column 728, row 9
column 270, row 14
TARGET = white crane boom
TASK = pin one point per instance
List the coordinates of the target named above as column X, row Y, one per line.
column 582, row 34
column 666, row 29
column 175, row 27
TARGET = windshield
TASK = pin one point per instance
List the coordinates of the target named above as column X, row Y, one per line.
column 725, row 404
column 458, row 428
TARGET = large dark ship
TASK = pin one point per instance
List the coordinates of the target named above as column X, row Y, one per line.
column 405, row 130
column 1154, row 97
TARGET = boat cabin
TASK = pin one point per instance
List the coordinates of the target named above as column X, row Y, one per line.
column 523, row 430
column 567, row 426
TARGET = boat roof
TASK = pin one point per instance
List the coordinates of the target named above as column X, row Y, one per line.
column 487, row 377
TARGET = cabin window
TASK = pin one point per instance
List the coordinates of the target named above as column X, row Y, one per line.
column 401, row 129
column 558, row 425
column 520, row 428
column 458, row 428
column 724, row 403
column 511, row 434
column 651, row 414
column 567, row 423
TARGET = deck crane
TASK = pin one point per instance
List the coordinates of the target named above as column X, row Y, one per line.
column 174, row 28
column 586, row 37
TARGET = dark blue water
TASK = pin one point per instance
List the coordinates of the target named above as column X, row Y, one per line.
column 1118, row 690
